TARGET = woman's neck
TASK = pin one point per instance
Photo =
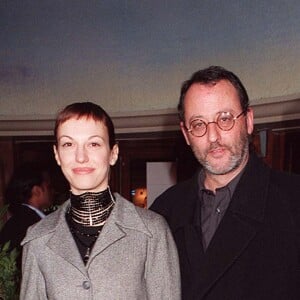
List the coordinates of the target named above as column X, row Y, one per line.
column 91, row 209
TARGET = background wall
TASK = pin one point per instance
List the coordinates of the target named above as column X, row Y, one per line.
column 132, row 56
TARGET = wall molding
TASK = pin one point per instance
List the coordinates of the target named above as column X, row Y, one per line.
column 147, row 122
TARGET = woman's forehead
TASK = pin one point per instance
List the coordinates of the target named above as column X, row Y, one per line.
column 82, row 125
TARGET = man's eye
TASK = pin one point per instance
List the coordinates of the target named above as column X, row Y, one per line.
column 225, row 119
column 198, row 125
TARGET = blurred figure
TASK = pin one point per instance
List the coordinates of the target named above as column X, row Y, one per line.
column 27, row 194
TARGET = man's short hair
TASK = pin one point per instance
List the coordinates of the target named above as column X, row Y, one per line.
column 19, row 188
column 212, row 75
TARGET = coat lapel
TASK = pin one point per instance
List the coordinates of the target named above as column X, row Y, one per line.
column 110, row 234
column 68, row 248
column 194, row 248
column 230, row 240
column 124, row 215
column 239, row 226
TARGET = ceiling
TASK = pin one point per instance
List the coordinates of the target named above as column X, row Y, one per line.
column 132, row 56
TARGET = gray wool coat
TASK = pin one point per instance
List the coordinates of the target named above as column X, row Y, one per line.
column 134, row 257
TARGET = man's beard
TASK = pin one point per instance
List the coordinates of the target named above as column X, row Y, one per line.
column 238, row 152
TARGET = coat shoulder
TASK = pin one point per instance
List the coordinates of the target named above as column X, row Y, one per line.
column 177, row 194
column 133, row 217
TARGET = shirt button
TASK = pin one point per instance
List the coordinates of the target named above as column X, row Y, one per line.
column 86, row 285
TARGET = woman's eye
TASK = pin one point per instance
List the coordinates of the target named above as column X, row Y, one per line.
column 67, row 144
column 94, row 144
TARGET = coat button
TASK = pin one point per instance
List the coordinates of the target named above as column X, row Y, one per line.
column 86, row 285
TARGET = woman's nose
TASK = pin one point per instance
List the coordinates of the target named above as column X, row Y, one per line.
column 81, row 154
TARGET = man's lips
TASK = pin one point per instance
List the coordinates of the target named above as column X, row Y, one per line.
column 83, row 170
column 217, row 152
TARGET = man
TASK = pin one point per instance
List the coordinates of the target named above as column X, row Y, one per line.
column 27, row 194
column 236, row 222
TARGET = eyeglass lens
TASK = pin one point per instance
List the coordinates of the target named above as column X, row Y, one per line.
column 225, row 121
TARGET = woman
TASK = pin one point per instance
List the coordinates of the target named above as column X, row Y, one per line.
column 97, row 245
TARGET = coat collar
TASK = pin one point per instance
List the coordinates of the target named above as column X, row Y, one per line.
column 246, row 201
column 250, row 195
column 188, row 204
column 123, row 216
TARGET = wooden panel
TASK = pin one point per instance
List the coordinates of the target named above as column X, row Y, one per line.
column 282, row 152
column 6, row 164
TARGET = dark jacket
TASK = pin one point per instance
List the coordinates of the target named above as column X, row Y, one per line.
column 16, row 226
column 255, row 252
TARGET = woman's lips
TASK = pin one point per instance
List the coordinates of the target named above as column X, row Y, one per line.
column 83, row 170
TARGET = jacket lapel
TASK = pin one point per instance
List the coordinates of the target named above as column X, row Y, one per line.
column 68, row 248
column 194, row 248
column 123, row 215
column 193, row 235
column 110, row 234
column 230, row 240
column 238, row 227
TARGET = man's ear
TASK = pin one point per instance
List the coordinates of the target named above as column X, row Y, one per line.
column 250, row 121
column 114, row 155
column 36, row 190
column 184, row 132
column 56, row 155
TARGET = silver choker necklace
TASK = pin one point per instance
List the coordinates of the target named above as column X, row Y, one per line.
column 91, row 209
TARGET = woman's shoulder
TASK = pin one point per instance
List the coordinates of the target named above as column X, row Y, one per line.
column 132, row 213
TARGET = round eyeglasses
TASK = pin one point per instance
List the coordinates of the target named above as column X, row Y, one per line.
column 225, row 121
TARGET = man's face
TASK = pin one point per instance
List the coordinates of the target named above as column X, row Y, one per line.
column 47, row 194
column 219, row 152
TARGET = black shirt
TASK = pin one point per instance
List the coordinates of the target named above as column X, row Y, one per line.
column 214, row 206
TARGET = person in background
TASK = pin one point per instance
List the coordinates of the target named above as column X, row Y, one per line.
column 97, row 245
column 236, row 223
column 27, row 194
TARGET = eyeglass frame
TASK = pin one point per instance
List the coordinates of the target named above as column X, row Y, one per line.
column 190, row 130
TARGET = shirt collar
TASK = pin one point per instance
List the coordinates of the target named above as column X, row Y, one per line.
column 39, row 212
column 231, row 185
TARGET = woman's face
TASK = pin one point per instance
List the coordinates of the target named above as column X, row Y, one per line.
column 84, row 155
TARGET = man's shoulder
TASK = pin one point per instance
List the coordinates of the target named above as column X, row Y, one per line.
column 46, row 225
column 287, row 187
column 181, row 188
column 286, row 179
column 177, row 200
column 23, row 217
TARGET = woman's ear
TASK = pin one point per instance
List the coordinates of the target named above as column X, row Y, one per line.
column 114, row 155
column 56, row 155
